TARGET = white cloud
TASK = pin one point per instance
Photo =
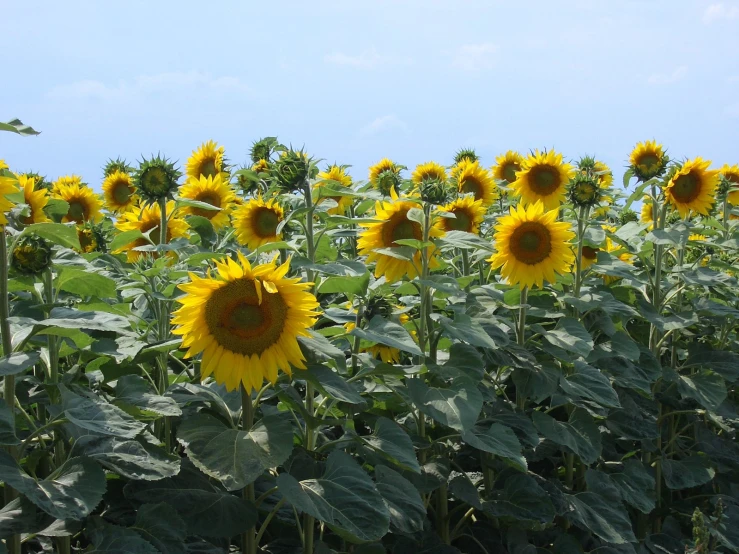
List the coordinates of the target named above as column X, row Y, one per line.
column 476, row 57
column 367, row 59
column 669, row 78
column 719, row 11
column 148, row 84
column 386, row 123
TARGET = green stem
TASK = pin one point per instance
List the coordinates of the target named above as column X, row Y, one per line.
column 163, row 333
column 269, row 517
column 248, row 539
column 521, row 337
column 442, row 514
column 581, row 224
column 357, row 340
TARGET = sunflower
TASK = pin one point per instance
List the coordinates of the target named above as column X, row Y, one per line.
column 66, row 180
column 475, row 179
column 543, row 176
column 260, row 166
column 84, row 204
column 145, row 219
column 531, row 245
column 469, row 214
column 8, row 185
column 337, row 174
column 206, row 160
column 697, row 238
column 385, row 164
column 647, row 210
column 256, row 222
column 589, row 257
column 213, row 191
column 3, row 165
column 648, row 159
column 35, row 199
column 693, row 187
column 613, row 247
column 731, row 174
column 393, row 224
column 429, row 171
column 506, row 166
column 603, row 174
column 246, row 321
column 118, row 192
column 387, row 354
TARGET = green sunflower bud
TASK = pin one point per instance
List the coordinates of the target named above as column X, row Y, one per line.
column 378, row 305
column 434, row 191
column 156, row 179
column 31, row 255
column 263, row 149
column 466, row 154
column 584, row 191
column 92, row 238
column 627, row 216
column 388, row 180
column 292, row 170
column 116, row 165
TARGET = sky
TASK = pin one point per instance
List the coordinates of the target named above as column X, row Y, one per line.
column 354, row 81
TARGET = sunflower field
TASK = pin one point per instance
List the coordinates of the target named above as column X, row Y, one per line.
column 270, row 355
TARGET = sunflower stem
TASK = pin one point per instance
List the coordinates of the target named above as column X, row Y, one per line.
column 163, row 334
column 521, row 337
column 726, row 212
column 14, row 541
column 249, row 538
column 53, row 346
column 581, row 225
column 357, row 340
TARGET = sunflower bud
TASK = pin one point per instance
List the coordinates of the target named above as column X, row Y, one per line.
column 584, row 191
column 388, row 180
column 156, row 179
column 628, row 216
column 434, row 191
column 31, row 256
column 92, row 238
column 116, row 165
column 466, row 154
column 263, row 149
column 378, row 305
column 292, row 170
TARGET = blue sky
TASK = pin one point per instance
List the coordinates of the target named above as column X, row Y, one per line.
column 354, row 81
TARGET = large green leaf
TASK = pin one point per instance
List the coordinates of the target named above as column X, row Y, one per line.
column 382, row 331
column 136, row 391
column 469, row 330
column 707, row 388
column 86, row 283
column 579, row 435
column 347, row 285
column 457, row 406
column 390, row 441
column 124, row 239
column 521, row 498
column 499, row 440
column 71, row 492
column 17, row 362
column 570, row 335
column 111, row 539
column 18, row 127
column 133, row 459
column 332, row 384
column 405, row 506
column 57, row 233
column 161, row 526
column 589, row 383
column 689, row 472
column 724, row 363
column 636, row 486
column 94, row 414
column 7, row 425
column 236, row 458
column 603, row 515
column 67, row 318
column 344, row 497
column 206, row 509
column 319, row 348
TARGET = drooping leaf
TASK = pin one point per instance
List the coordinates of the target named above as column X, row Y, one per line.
column 160, row 525
column 469, row 330
column 521, row 498
column 382, row 331
column 579, row 435
column 86, row 283
column 133, row 459
column 498, row 440
column 390, row 441
column 17, row 362
column 589, row 383
column 706, row 388
column 332, row 384
column 134, row 390
column 405, row 506
column 57, row 233
column 94, row 414
column 570, row 335
column 603, row 515
column 112, row 539
column 689, row 472
column 457, row 406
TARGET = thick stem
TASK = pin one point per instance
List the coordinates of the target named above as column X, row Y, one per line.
column 163, row 428
column 248, row 539
column 521, row 337
column 357, row 340
column 581, row 224
column 442, row 514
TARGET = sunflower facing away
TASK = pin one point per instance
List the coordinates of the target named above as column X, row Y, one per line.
column 429, row 171
column 118, row 192
column 148, row 218
column 543, row 177
column 66, row 180
column 474, row 179
column 335, row 177
column 589, row 257
column 393, row 224
column 385, row 164
column 506, row 166
column 532, row 246
column 35, row 199
column 693, row 187
column 207, row 160
column 469, row 214
column 213, row 191
column 84, row 204
column 246, row 321
column 731, row 174
column 256, row 222
column 648, row 159
column 8, row 185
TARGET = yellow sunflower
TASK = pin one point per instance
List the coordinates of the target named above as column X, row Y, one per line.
column 84, row 204
column 246, row 322
column 256, row 222
column 693, row 187
column 613, row 247
column 147, row 218
column 35, row 199
column 697, row 238
column 648, row 160
column 66, row 180
column 429, row 171
column 8, row 185
column 543, row 177
column 262, row 166
column 385, row 164
column 118, row 192
column 393, row 224
column 207, row 160
column 469, row 214
column 731, row 174
column 589, row 257
column 338, row 175
column 647, row 210
column 532, row 246
column 88, row 240
column 475, row 179
column 387, row 354
column 211, row 190
column 506, row 166
column 3, row 165
column 603, row 175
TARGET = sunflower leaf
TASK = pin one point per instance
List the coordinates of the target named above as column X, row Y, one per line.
column 58, row 233
column 382, row 331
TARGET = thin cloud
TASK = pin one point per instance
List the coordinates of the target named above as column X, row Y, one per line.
column 148, row 84
column 668, row 78
column 719, row 11
column 476, row 57
column 384, row 124
column 367, row 59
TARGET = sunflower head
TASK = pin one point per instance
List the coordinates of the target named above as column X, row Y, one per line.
column 31, row 255
column 692, row 187
column 336, row 176
column 213, row 191
column 627, row 216
column 40, row 181
column 8, row 185
column 36, row 200
column 292, row 170
column 206, row 160
column 584, row 191
column 387, row 181
column 647, row 210
column 261, row 166
column 648, row 160
column 532, row 246
column 474, row 179
column 118, row 191
column 246, row 322
column 543, row 177
column 506, row 166
column 92, row 237
column 119, row 164
column 468, row 215
column 263, row 149
column 466, row 154
column 84, row 204
column 71, row 180
column 589, row 257
column 147, row 220
column 256, row 222
column 378, row 304
column 729, row 185
column 156, row 178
